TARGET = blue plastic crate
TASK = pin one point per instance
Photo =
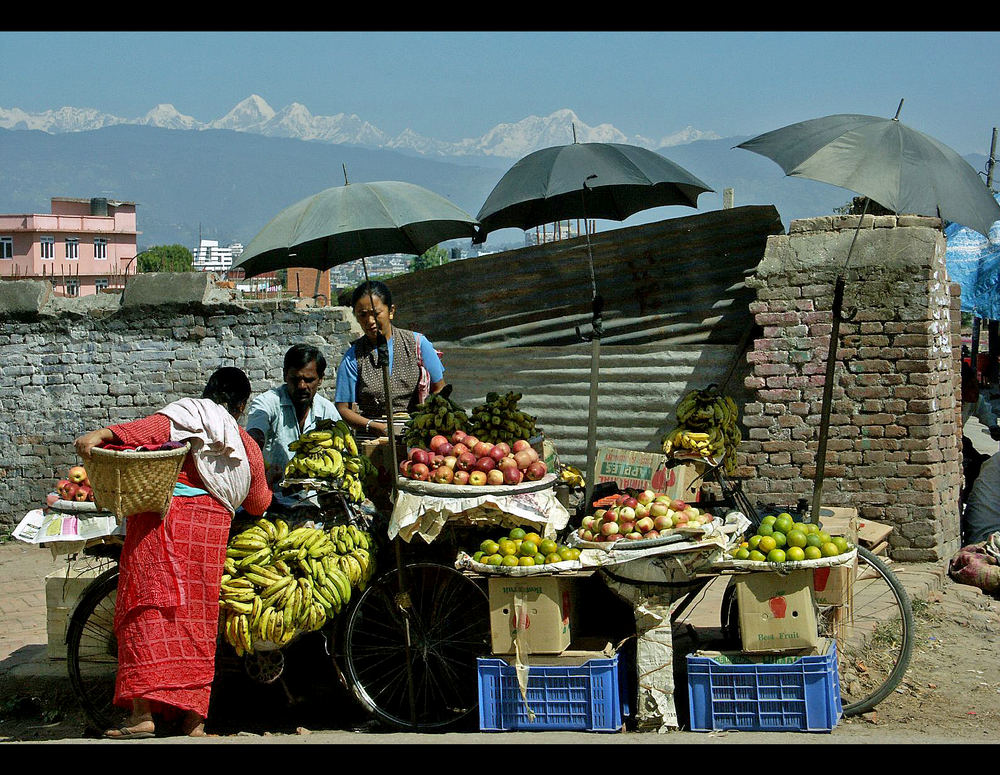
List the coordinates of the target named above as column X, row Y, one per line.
column 588, row 697
column 801, row 696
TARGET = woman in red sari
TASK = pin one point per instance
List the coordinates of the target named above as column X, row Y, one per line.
column 167, row 612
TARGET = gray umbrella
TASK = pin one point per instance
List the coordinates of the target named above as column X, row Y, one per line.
column 887, row 162
column 354, row 221
column 587, row 180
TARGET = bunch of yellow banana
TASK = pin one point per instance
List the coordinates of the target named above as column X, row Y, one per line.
column 279, row 581
column 571, row 475
column 707, row 425
column 330, row 453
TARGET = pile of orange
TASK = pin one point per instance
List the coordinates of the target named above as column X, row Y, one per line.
column 523, row 548
column 781, row 539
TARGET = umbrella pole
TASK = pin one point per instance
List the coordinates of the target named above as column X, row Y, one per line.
column 831, row 365
column 597, row 307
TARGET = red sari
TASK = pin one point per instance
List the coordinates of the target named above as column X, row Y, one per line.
column 167, row 612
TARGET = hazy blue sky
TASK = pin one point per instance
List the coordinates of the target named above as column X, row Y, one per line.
column 453, row 85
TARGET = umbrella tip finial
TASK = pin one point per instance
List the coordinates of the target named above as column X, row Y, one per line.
column 345, row 173
column 896, row 117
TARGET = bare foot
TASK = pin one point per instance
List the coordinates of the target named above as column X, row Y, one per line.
column 193, row 725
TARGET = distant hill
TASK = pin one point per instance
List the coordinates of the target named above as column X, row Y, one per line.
column 231, row 183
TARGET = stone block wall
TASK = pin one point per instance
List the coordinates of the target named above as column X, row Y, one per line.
column 72, row 365
column 894, row 444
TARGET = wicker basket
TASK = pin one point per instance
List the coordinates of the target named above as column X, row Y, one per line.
column 127, row 483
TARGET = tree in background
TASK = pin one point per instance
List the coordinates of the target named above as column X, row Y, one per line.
column 166, row 258
column 435, row 256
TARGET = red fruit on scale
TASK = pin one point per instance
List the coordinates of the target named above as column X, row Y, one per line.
column 477, row 478
column 504, row 446
column 459, row 449
column 461, row 477
column 420, row 472
column 77, row 474
column 470, row 442
column 83, row 493
column 437, row 441
column 507, row 462
column 445, row 449
column 511, row 474
column 645, row 524
column 524, row 459
column 404, row 467
column 418, row 455
column 519, row 445
column 482, row 449
column 495, row 477
column 536, row 471
column 443, row 475
column 630, row 502
column 651, row 534
column 485, row 464
column 466, row 461
column 436, row 461
column 497, row 454
column 627, row 526
column 451, row 461
column 458, row 437
column 62, row 486
column 69, row 492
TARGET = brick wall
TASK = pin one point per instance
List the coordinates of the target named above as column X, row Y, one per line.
column 894, row 444
column 72, row 365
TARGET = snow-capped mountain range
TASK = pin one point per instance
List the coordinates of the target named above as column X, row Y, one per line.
column 254, row 115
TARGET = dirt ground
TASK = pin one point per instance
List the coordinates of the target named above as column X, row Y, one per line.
column 952, row 687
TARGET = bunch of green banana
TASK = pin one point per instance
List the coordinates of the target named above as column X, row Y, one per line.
column 279, row 581
column 499, row 419
column 707, row 424
column 436, row 416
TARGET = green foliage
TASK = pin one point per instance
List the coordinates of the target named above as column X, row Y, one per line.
column 166, row 258
column 436, row 256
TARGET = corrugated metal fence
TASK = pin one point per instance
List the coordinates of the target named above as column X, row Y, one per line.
column 675, row 318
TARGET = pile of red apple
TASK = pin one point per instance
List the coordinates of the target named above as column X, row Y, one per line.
column 75, row 487
column 647, row 515
column 463, row 459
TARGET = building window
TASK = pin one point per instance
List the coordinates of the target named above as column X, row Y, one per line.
column 100, row 284
column 6, row 247
column 47, row 246
column 73, row 287
column 72, row 248
column 100, row 249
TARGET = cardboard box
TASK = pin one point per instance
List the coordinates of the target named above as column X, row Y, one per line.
column 832, row 585
column 777, row 611
column 547, row 612
column 62, row 593
column 648, row 470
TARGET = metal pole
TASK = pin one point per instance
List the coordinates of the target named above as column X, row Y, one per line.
column 831, row 365
column 992, row 161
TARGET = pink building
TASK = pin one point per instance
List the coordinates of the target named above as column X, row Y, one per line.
column 83, row 246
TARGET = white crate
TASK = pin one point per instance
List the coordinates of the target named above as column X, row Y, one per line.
column 63, row 589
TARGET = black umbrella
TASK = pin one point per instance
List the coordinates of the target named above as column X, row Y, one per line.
column 586, row 180
column 889, row 163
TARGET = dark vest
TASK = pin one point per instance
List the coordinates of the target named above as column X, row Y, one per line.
column 370, row 393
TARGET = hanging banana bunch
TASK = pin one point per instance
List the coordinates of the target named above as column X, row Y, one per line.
column 278, row 582
column 707, row 426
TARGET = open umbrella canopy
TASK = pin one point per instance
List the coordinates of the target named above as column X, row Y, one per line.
column 354, row 221
column 973, row 262
column 901, row 168
column 547, row 186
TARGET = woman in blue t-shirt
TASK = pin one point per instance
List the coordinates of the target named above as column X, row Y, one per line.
column 360, row 393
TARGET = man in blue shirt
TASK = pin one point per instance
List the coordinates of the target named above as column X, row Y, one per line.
column 279, row 416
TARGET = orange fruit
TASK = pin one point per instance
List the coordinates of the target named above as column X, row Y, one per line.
column 548, row 546
column 526, row 561
column 742, row 554
column 554, row 557
column 494, row 559
column 779, row 538
column 841, row 543
column 765, row 529
column 829, row 549
column 756, row 556
column 509, row 560
column 507, row 547
column 516, row 533
column 797, row 538
column 776, row 555
column 527, row 549
column 767, row 544
column 795, row 554
column 533, row 537
column 813, row 553
column 489, row 547
column 783, row 523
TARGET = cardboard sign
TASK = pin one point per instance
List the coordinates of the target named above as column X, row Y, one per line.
column 777, row 611
column 539, row 609
column 832, row 585
column 648, row 471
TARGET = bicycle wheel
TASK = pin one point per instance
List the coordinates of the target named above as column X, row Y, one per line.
column 444, row 628
column 874, row 633
column 92, row 651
